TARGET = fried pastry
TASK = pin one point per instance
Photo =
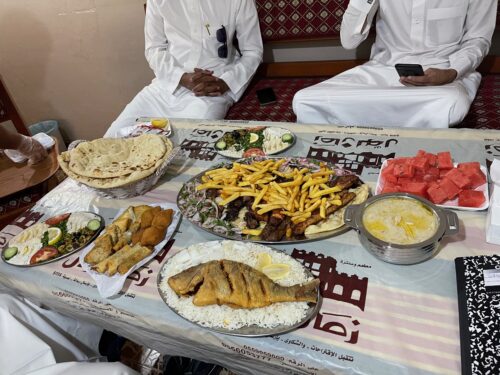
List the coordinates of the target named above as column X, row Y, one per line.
column 111, row 263
column 140, row 253
column 103, row 247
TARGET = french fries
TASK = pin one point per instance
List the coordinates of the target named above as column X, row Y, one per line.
column 297, row 193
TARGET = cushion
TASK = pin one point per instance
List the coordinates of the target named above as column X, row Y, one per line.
column 485, row 109
column 300, row 19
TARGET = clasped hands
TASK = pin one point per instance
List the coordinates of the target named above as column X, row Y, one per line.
column 203, row 83
column 431, row 77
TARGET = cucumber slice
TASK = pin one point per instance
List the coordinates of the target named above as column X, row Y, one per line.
column 221, row 145
column 94, row 224
column 287, row 138
column 9, row 252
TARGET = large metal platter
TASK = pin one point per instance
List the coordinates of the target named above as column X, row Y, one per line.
column 274, row 129
column 94, row 236
column 253, row 330
column 235, row 236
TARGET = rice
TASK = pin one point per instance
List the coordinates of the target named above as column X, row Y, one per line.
column 214, row 316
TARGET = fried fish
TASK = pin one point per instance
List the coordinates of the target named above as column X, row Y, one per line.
column 225, row 282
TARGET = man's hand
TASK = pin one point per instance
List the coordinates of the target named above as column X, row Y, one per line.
column 216, row 87
column 190, row 80
column 432, row 77
column 203, row 83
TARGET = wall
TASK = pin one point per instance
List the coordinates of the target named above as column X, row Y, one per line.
column 76, row 61
column 81, row 61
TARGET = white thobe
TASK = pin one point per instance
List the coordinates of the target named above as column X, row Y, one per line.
column 182, row 35
column 440, row 34
column 37, row 341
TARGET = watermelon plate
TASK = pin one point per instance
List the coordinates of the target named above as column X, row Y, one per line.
column 453, row 203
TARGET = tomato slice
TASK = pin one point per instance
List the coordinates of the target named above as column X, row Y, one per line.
column 45, row 253
column 56, row 219
column 253, row 152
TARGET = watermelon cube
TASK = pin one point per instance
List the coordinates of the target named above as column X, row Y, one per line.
column 471, row 198
column 476, row 178
column 431, row 159
column 420, row 163
column 418, row 176
column 390, row 188
column 390, row 178
column 421, row 153
column 436, row 194
column 432, row 174
column 416, row 188
column 405, row 180
column 449, row 188
column 474, row 165
column 444, row 160
column 461, row 180
column 404, row 170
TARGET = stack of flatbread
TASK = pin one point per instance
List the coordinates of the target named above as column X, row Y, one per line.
column 115, row 162
column 129, row 239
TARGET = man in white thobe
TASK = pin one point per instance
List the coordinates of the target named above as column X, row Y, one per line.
column 199, row 73
column 449, row 38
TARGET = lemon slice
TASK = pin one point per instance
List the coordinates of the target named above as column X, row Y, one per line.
column 263, row 260
column 276, row 271
column 55, row 234
column 159, row 122
column 254, row 137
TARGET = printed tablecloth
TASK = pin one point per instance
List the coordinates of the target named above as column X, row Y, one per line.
column 376, row 318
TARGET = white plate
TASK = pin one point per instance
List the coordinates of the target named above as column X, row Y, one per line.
column 271, row 134
column 143, row 126
column 450, row 203
column 110, row 285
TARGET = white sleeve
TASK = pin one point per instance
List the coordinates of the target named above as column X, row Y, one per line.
column 165, row 66
column 480, row 24
column 250, row 42
column 357, row 21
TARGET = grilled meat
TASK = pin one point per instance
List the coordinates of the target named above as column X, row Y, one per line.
column 233, row 209
column 276, row 231
column 344, row 182
column 251, row 220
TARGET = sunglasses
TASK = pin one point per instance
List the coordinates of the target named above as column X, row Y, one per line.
column 222, row 38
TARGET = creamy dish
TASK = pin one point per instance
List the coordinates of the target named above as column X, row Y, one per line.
column 400, row 221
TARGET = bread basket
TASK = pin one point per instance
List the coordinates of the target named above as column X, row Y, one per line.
column 134, row 188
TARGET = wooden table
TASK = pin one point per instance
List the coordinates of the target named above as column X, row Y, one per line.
column 16, row 177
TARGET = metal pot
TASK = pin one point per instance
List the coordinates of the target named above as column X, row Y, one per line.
column 402, row 254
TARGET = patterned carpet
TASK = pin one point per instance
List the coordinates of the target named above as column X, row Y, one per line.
column 484, row 112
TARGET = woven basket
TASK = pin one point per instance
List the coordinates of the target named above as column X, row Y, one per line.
column 135, row 188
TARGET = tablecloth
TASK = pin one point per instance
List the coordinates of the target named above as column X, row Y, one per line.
column 376, row 318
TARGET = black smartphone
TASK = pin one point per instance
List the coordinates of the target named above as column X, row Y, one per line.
column 266, row 96
column 405, row 70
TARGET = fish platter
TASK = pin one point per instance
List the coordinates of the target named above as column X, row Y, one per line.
column 271, row 200
column 239, row 288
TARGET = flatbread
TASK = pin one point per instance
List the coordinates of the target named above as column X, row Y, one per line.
column 336, row 220
column 115, row 157
column 114, row 182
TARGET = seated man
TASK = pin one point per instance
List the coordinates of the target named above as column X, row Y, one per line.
column 199, row 73
column 449, row 38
